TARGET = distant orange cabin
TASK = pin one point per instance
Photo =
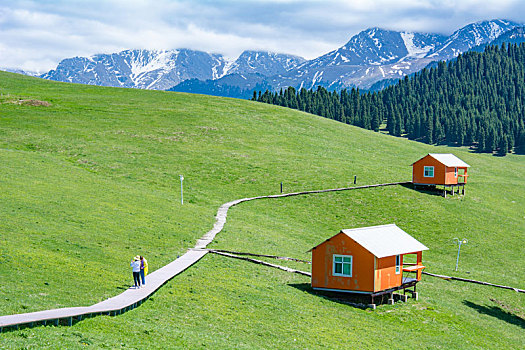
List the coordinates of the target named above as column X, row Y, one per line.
column 365, row 260
column 439, row 169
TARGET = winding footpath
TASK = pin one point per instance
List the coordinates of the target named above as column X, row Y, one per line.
column 132, row 298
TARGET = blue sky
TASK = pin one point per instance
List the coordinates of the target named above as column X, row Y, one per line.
column 36, row 35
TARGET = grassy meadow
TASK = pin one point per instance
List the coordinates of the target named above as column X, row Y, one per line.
column 92, row 179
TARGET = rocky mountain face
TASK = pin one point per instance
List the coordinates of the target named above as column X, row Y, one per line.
column 264, row 63
column 513, row 36
column 370, row 57
column 21, row 71
column 376, row 58
column 163, row 69
column 377, row 54
column 143, row 69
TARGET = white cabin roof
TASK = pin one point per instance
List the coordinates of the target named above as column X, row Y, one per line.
column 385, row 240
column 449, row 160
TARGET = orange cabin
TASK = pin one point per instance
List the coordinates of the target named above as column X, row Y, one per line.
column 365, row 260
column 439, row 169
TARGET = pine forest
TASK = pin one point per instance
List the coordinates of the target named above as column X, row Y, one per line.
column 474, row 100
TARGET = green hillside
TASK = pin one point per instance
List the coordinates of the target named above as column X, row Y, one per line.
column 92, row 179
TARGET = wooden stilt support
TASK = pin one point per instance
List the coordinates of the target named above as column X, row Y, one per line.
column 57, row 322
column 402, row 297
column 70, row 321
column 391, row 299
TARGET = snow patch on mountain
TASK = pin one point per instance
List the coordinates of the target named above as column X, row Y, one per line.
column 412, row 48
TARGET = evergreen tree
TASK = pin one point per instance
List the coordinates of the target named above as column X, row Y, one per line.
column 475, row 99
column 503, row 148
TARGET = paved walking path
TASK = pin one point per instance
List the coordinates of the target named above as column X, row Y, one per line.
column 131, row 298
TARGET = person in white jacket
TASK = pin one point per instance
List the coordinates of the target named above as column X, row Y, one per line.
column 135, row 266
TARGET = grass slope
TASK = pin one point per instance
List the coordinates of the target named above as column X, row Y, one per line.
column 92, row 180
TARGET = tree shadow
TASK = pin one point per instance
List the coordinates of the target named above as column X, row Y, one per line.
column 359, row 301
column 498, row 312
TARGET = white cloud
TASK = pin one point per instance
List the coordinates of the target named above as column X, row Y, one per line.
column 36, row 35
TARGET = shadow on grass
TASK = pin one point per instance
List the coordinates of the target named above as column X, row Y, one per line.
column 360, row 301
column 430, row 190
column 498, row 312
column 123, row 287
column 433, row 190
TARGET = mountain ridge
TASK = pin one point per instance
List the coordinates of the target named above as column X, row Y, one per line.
column 371, row 56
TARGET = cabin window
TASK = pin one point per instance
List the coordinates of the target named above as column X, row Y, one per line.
column 428, row 171
column 342, row 265
column 398, row 264
column 455, row 172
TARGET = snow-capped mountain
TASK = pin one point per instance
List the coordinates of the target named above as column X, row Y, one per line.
column 21, row 71
column 371, row 56
column 377, row 46
column 143, row 69
column 265, row 63
column 513, row 36
column 377, row 54
column 249, row 72
column 162, row 69
column 472, row 35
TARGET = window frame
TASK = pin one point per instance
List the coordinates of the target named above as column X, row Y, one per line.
column 456, row 172
column 342, row 262
column 429, row 168
column 398, row 264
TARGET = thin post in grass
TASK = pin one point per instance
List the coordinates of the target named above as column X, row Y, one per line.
column 459, row 242
column 181, row 190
